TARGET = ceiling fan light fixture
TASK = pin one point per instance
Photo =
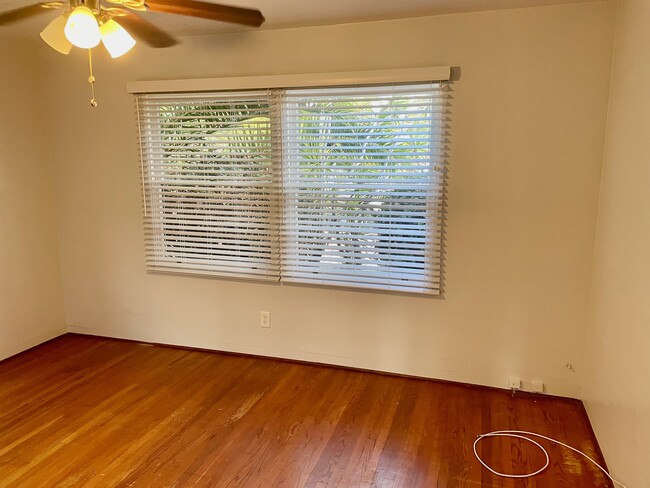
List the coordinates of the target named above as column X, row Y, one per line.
column 116, row 39
column 82, row 28
column 54, row 35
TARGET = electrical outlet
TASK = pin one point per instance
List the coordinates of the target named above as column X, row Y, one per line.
column 514, row 383
column 537, row 386
column 265, row 319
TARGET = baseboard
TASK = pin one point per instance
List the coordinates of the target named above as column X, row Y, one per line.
column 26, row 346
column 85, row 331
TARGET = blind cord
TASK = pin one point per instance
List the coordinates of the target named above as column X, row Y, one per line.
column 522, row 434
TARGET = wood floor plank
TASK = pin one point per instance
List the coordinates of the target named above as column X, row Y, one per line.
column 82, row 411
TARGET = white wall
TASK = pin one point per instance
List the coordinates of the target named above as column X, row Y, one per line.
column 617, row 386
column 529, row 117
column 31, row 298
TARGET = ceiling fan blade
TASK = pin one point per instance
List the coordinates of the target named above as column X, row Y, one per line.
column 212, row 11
column 146, row 31
column 21, row 13
column 132, row 4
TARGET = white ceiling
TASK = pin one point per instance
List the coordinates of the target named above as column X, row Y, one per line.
column 294, row 13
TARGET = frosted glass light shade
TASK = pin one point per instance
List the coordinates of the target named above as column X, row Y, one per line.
column 54, row 35
column 116, row 40
column 82, row 29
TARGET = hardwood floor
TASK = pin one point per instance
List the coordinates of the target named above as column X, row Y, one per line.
column 92, row 412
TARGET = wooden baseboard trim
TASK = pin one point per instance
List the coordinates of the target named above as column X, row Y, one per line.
column 539, row 396
column 33, row 347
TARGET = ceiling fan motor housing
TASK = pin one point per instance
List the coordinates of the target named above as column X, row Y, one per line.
column 91, row 4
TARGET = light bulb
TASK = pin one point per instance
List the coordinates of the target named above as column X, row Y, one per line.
column 116, row 40
column 54, row 36
column 82, row 29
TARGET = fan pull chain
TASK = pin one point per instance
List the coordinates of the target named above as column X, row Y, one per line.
column 91, row 79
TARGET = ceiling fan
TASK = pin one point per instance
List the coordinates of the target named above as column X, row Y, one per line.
column 77, row 24
column 86, row 23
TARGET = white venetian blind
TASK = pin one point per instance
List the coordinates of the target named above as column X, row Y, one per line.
column 210, row 182
column 362, row 186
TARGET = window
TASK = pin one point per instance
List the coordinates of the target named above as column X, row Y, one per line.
column 336, row 186
column 211, row 184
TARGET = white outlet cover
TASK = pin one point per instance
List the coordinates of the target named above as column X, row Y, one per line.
column 265, row 319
